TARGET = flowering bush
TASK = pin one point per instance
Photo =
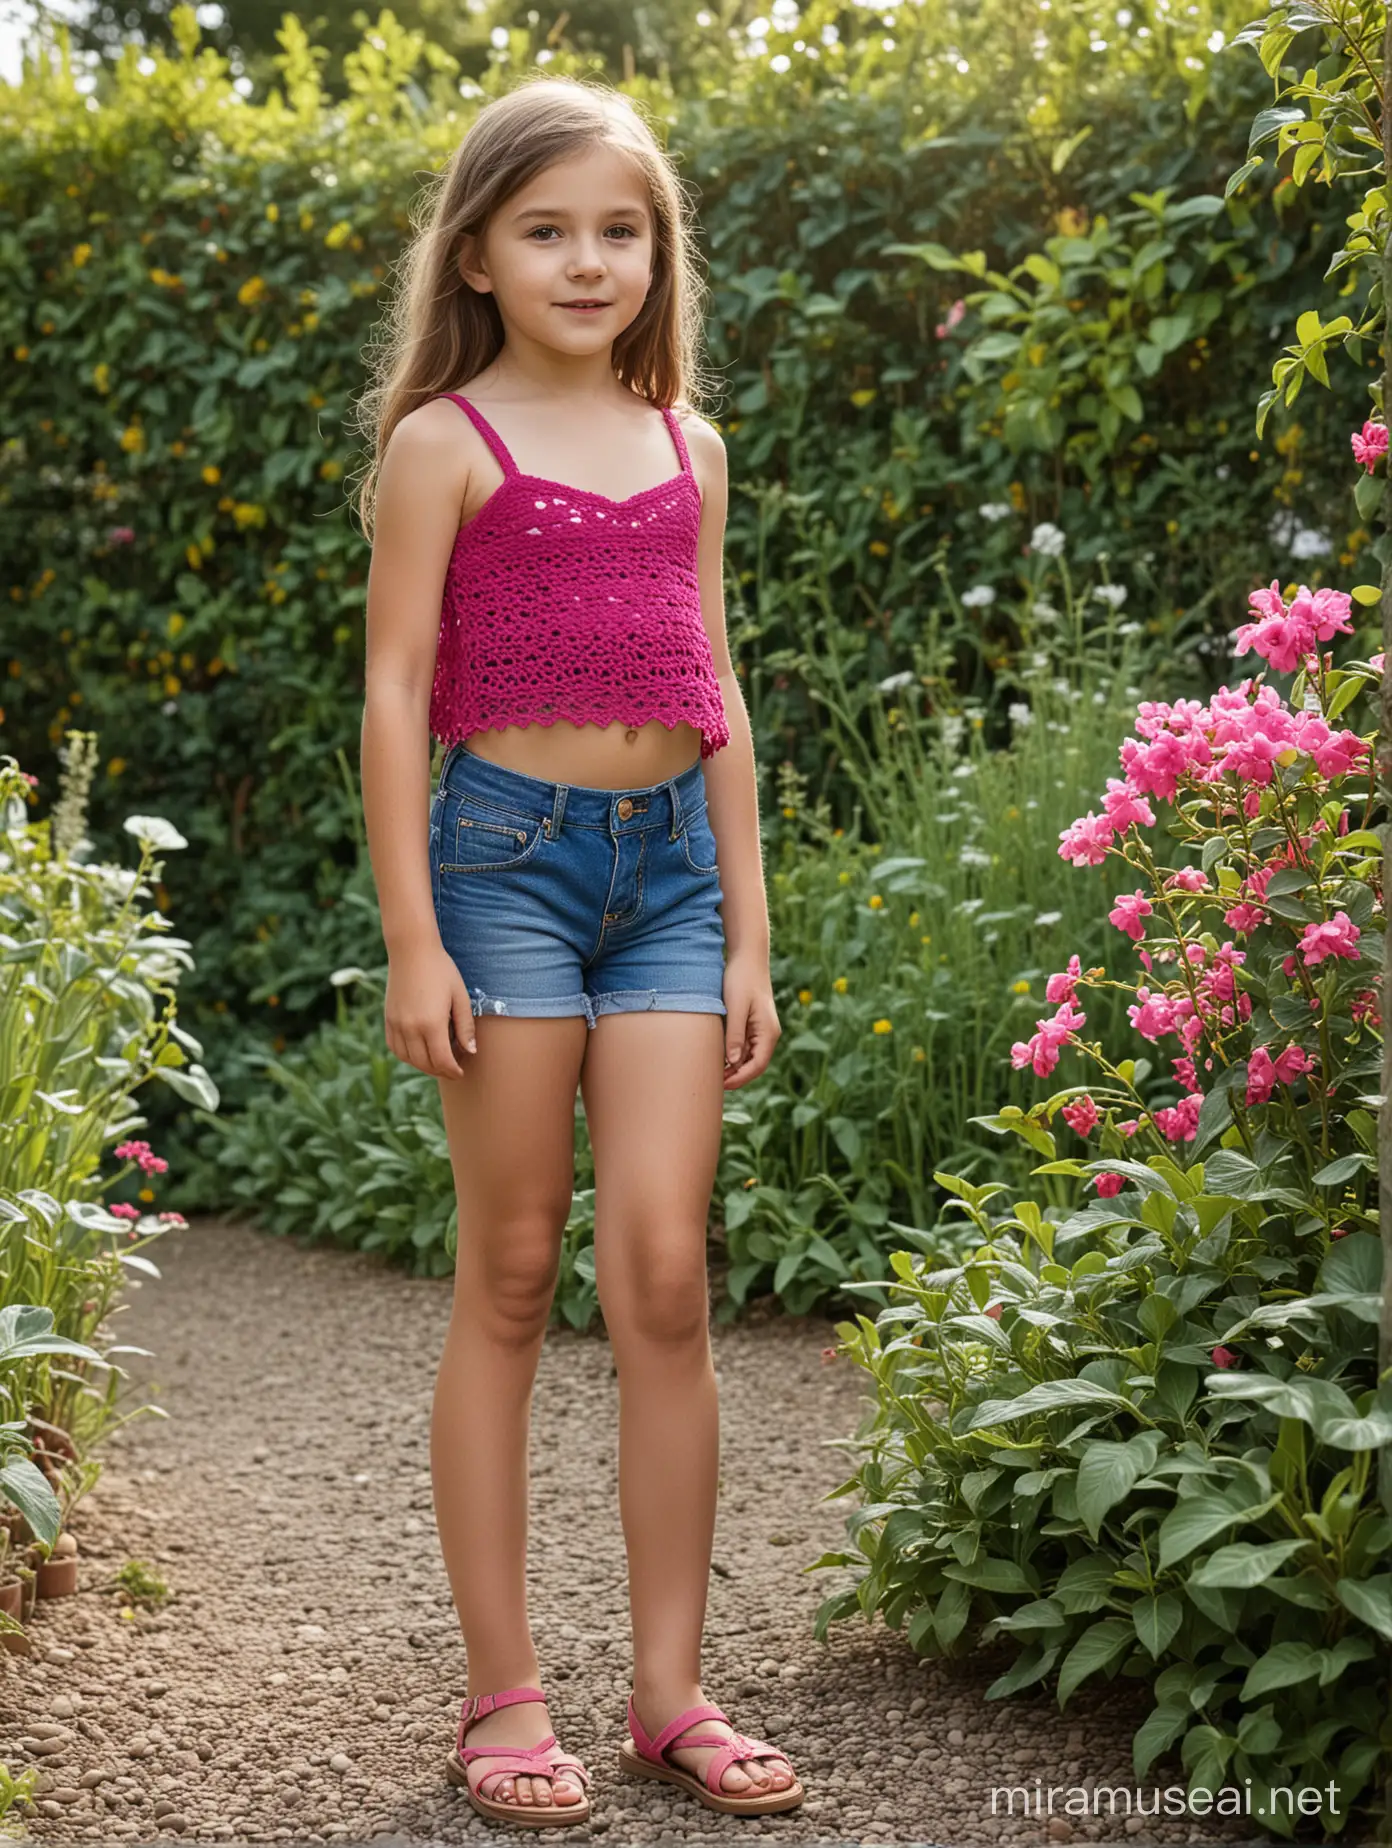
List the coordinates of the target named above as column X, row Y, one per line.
column 1139, row 1438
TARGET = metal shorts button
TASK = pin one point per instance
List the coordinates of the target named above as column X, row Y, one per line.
column 625, row 809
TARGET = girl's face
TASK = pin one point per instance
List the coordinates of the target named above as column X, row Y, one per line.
column 580, row 231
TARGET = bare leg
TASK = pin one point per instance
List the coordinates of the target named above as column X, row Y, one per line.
column 510, row 1122
column 653, row 1096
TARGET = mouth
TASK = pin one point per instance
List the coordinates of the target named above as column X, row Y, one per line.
column 586, row 306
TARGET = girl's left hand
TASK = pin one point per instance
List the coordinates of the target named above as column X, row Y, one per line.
column 751, row 1022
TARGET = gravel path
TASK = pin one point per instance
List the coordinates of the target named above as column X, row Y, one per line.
column 304, row 1680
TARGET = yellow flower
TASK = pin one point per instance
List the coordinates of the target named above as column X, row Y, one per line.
column 316, row 402
column 919, row 1055
column 273, row 211
column 861, row 398
column 753, row 1181
column 805, row 996
column 194, row 557
column 248, row 513
column 147, row 1193
column 840, row 984
column 133, row 438
column 81, row 252
column 101, row 376
column 843, row 878
column 338, row 235
column 306, row 221
column 21, row 352
column 116, row 766
column 883, row 1026
column 913, row 919
column 171, row 684
column 1021, row 987
column 330, row 471
column 212, row 474
column 789, row 813
column 343, row 633
column 1017, row 496
column 251, row 291
column 879, row 548
column 876, row 902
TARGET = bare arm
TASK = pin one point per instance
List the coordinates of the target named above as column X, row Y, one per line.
column 752, row 1028
column 419, row 492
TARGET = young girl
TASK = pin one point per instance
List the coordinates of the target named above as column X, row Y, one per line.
column 581, row 903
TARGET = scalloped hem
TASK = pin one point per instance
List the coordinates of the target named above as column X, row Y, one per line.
column 711, row 741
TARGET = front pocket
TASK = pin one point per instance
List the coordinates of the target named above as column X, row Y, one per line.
column 485, row 839
column 698, row 843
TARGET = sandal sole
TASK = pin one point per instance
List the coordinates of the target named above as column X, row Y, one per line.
column 533, row 1816
column 631, row 1762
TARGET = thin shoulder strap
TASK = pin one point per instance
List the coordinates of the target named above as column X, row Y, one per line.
column 485, row 430
column 679, row 440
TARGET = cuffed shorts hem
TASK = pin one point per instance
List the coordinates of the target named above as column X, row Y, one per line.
column 617, row 1001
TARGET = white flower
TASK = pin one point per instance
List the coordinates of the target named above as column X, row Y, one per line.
column 1048, row 917
column 1044, row 611
column 1020, row 713
column 1047, row 539
column 979, row 597
column 892, row 682
column 995, row 510
column 1129, row 628
column 952, row 729
column 1300, row 541
column 1115, row 594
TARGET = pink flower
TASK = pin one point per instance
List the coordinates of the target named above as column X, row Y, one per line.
column 1128, row 912
column 1224, row 1357
column 828, row 1355
column 1292, row 1062
column 1109, row 1185
column 1060, row 987
column 30, row 778
column 124, row 1210
column 172, row 1219
column 1337, row 936
column 993, row 1310
column 1082, row 1115
column 1339, row 1231
column 953, row 316
column 1087, row 841
column 1245, row 918
column 1126, row 807
column 1041, row 1052
column 132, row 1151
column 120, row 535
column 1375, row 661
column 1188, row 879
column 1369, row 444
column 1285, row 636
column 1180, row 1123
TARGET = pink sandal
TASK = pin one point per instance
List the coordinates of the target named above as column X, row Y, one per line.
column 641, row 1756
column 543, row 1760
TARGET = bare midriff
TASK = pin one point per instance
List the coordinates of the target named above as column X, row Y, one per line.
column 615, row 756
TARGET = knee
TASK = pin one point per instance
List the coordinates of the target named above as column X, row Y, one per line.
column 513, row 1277
column 664, row 1301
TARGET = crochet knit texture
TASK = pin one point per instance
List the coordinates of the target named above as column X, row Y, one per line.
column 560, row 603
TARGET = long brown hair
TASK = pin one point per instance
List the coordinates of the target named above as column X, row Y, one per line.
column 440, row 333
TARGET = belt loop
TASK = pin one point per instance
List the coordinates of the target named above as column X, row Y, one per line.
column 676, row 808
column 451, row 753
column 553, row 826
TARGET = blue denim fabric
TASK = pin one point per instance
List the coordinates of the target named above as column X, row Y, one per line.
column 558, row 898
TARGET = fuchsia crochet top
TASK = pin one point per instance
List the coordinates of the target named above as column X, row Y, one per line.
column 562, row 603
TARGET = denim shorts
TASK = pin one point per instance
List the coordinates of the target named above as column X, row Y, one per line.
column 558, row 898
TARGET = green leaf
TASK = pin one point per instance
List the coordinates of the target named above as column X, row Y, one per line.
column 24, row 1485
column 1157, row 1619
column 1283, row 1666
column 1243, row 1565
column 990, row 1574
column 1095, row 1649
column 1370, row 1600
column 1051, row 1396
column 1192, row 1522
column 1108, row 1473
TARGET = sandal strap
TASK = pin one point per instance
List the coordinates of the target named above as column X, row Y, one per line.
column 730, row 1751
column 656, row 1749
column 479, row 1706
column 522, row 1761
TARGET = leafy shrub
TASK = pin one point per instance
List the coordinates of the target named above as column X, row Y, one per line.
column 1138, row 1437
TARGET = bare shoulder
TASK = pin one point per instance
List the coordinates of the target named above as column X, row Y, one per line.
column 702, row 438
column 433, row 431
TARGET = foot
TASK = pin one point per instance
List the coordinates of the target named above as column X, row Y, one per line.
column 524, row 1723
column 740, row 1777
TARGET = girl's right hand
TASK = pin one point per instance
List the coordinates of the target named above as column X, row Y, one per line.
column 428, row 1011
